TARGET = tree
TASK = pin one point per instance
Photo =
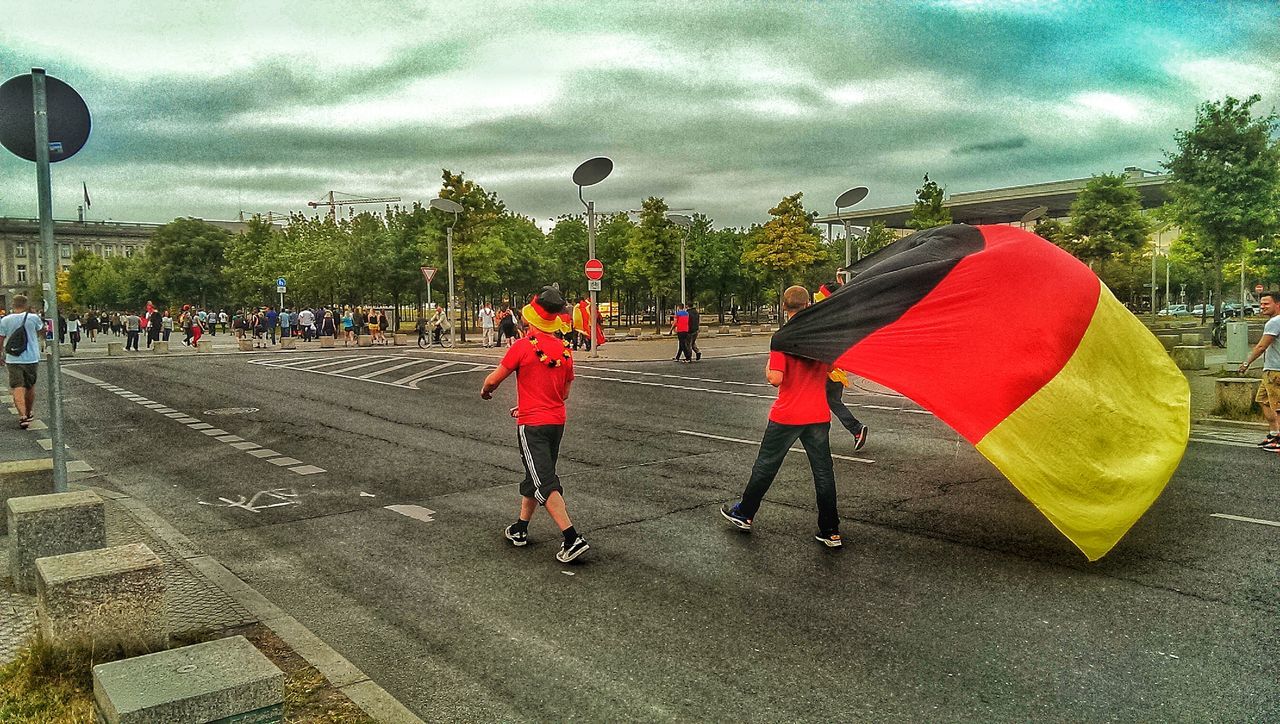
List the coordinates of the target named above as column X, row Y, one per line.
column 716, row 264
column 928, row 211
column 786, row 243
column 1226, row 181
column 1106, row 220
column 877, row 238
column 184, row 262
column 653, row 253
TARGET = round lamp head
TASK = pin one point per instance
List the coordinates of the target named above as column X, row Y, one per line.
column 680, row 220
column 592, row 171
column 1035, row 213
column 447, row 206
column 851, row 197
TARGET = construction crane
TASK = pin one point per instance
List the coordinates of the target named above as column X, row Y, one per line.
column 330, row 199
column 270, row 217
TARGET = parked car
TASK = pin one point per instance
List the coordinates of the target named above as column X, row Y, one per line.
column 1203, row 309
column 1173, row 310
column 1232, row 309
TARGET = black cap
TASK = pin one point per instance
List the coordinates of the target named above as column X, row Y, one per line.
column 551, row 300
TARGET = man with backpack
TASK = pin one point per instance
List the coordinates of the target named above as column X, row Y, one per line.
column 19, row 337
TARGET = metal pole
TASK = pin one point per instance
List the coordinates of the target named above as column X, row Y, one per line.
column 1154, row 249
column 683, row 239
column 453, row 328
column 50, row 264
column 591, row 254
column 848, row 244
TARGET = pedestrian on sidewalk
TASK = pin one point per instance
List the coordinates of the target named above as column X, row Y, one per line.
column 286, row 323
column 695, row 323
column 680, row 327
column 488, row 325
column 73, row 331
column 20, row 332
column 132, row 329
column 1268, row 396
column 543, row 364
column 800, row 412
column 166, row 325
column 307, row 321
column 271, row 318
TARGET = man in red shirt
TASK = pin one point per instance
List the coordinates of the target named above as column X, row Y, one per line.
column 800, row 412
column 543, row 365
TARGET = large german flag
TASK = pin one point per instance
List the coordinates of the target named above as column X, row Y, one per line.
column 1022, row 350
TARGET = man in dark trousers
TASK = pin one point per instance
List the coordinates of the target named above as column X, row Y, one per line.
column 837, row 381
column 695, row 323
column 543, row 363
column 800, row 412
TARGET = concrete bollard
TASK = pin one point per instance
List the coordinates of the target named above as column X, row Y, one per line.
column 51, row 525
column 205, row 345
column 724, row 329
column 103, row 599
column 1169, row 340
column 115, row 349
column 1189, row 357
column 223, row 680
column 1235, row 396
column 400, row 340
column 160, row 348
column 21, row 478
column 326, row 342
column 1192, row 339
column 289, row 343
column 245, row 344
column 364, row 340
column 744, row 330
column 634, row 332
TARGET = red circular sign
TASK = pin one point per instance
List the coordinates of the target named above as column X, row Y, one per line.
column 594, row 270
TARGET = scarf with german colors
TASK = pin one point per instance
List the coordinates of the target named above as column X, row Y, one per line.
column 1023, row 351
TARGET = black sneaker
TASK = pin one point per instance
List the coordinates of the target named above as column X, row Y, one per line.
column 731, row 514
column 699, row 357
column 830, row 540
column 517, row 538
column 1268, row 440
column 568, row 552
column 861, row 438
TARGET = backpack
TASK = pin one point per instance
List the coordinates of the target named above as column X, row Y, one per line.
column 16, row 343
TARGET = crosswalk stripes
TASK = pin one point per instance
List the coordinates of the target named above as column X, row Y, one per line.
column 378, row 369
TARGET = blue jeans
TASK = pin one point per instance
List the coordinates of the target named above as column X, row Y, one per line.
column 777, row 440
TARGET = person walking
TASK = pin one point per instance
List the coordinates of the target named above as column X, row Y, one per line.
column 1268, row 395
column 166, row 325
column 695, row 323
column 20, row 332
column 800, row 412
column 348, row 326
column 73, row 331
column 307, row 321
column 488, row 325
column 680, row 326
column 543, row 365
column 286, row 323
column 837, row 380
column 271, row 318
column 375, row 329
column 507, row 333
column 132, row 328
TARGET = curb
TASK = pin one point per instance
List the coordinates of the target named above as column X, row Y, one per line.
column 341, row 673
column 1230, row 423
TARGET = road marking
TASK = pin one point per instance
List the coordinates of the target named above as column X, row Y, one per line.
column 1244, row 519
column 377, row 361
column 671, row 376
column 344, row 368
column 306, row 470
column 417, row 512
column 756, row 442
column 416, row 379
column 404, row 381
column 392, row 368
column 283, row 497
column 186, row 420
column 282, row 462
column 38, row 425
column 79, row 466
column 197, row 425
column 165, row 410
column 174, row 415
column 215, row 432
column 245, row 445
column 229, row 438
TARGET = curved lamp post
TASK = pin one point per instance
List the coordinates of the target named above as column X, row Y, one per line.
column 455, row 208
column 845, row 200
column 589, row 173
column 686, row 223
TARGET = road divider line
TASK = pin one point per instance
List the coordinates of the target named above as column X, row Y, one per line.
column 408, row 381
column 392, row 368
column 709, row 436
column 1243, row 519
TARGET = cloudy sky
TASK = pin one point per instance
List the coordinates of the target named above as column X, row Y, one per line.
column 207, row 107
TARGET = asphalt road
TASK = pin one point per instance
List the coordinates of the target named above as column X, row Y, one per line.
column 953, row 599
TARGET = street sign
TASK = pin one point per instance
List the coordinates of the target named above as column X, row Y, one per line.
column 281, row 290
column 280, row 282
column 593, row 285
column 428, row 273
column 69, row 121
column 594, row 270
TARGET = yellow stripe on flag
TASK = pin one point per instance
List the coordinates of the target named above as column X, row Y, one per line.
column 1095, row 446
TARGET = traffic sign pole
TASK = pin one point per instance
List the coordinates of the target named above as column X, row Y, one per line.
column 45, row 199
column 591, row 253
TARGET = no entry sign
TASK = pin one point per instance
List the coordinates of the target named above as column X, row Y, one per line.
column 594, row 270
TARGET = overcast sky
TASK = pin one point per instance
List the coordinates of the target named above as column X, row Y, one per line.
column 209, row 107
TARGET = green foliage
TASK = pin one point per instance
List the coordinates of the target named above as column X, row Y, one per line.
column 787, row 243
column 653, row 252
column 928, row 211
column 877, row 238
column 1053, row 231
column 1226, row 180
column 1106, row 220
column 184, row 260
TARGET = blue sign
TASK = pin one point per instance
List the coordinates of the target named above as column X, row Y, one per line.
column 280, row 282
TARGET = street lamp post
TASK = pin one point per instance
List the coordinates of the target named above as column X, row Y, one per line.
column 686, row 223
column 450, row 207
column 589, row 173
column 845, row 200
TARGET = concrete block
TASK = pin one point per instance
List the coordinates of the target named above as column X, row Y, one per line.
column 223, row 680
column 635, row 332
column 1235, row 396
column 724, row 329
column 326, row 342
column 51, row 525
column 20, row 478
column 66, row 351
column 205, row 345
column 246, row 344
column 708, row 333
column 289, row 343
column 744, row 330
column 400, row 340
column 1169, row 340
column 364, row 340
column 1192, row 339
column 104, row 599
column 1188, row 357
column 160, row 348
column 115, row 349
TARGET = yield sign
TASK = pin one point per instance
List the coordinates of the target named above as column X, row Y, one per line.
column 428, row 273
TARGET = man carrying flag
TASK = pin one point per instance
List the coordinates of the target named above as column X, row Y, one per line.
column 543, row 363
column 582, row 325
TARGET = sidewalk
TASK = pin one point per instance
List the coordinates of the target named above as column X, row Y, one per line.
column 203, row 599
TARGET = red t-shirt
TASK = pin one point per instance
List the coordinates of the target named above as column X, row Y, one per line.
column 802, row 397
column 540, row 390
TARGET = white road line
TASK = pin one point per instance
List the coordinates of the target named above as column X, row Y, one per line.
column 306, row 470
column 362, row 365
column 756, row 442
column 477, row 368
column 677, row 387
column 1244, row 519
column 392, row 368
column 285, row 461
column 417, row 512
column 407, row 381
column 1229, row 443
column 670, row 376
column 301, row 363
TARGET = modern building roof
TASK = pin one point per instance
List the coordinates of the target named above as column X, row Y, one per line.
column 1007, row 205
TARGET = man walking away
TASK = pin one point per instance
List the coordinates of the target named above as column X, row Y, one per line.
column 680, row 325
column 800, row 412
column 543, row 364
column 20, row 333
column 132, row 329
column 488, row 326
column 73, row 331
column 837, row 381
column 1268, row 396
column 306, row 320
column 286, row 323
column 272, row 319
column 695, row 323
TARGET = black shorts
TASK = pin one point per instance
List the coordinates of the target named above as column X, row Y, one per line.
column 24, row 375
column 539, row 448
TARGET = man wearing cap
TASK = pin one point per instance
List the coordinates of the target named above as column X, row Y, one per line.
column 543, row 363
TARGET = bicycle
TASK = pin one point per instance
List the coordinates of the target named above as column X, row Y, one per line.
column 439, row 337
column 1218, row 333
